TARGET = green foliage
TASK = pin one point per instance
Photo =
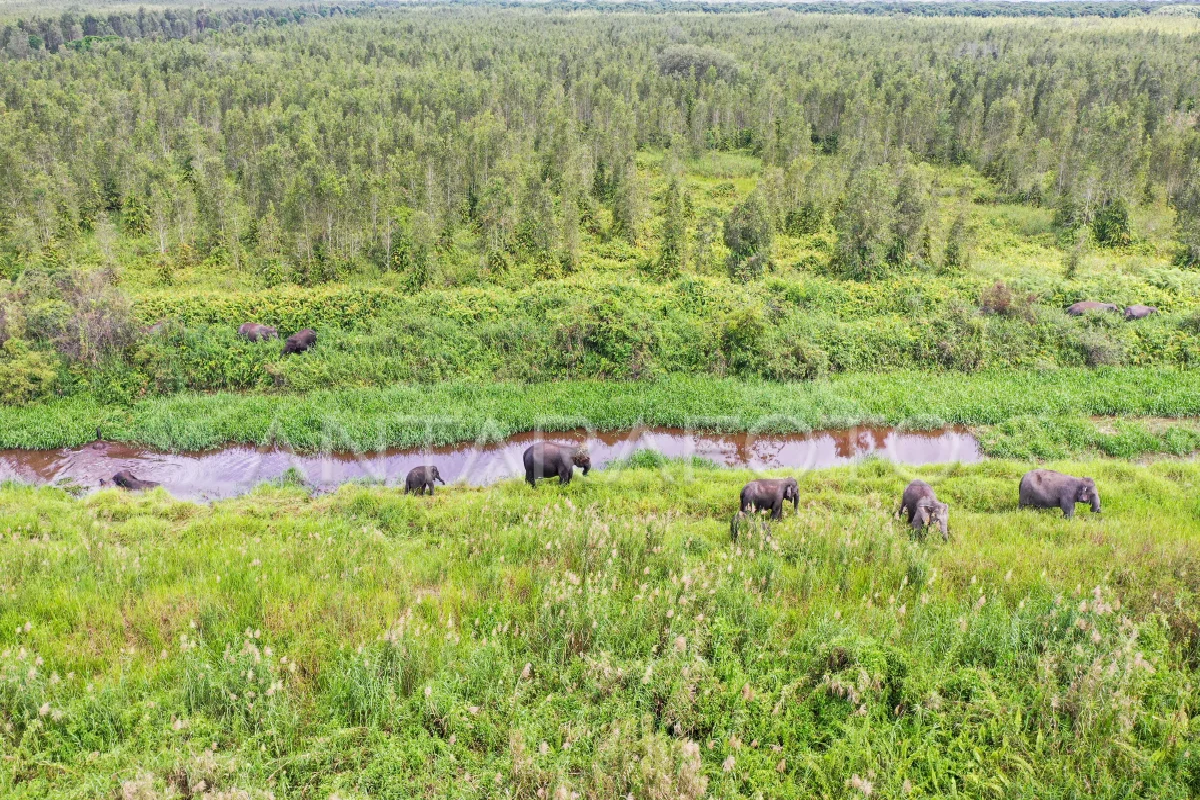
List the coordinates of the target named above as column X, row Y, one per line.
column 25, row 374
column 749, row 234
column 607, row 641
column 1110, row 226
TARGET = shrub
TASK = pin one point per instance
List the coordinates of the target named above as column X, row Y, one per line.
column 25, row 374
column 1099, row 349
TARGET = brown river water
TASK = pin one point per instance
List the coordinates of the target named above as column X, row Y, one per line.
column 234, row 470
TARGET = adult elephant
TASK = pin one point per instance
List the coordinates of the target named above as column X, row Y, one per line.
column 1045, row 488
column 1139, row 311
column 548, row 460
column 299, row 341
column 256, row 332
column 770, row 494
column 920, row 505
column 421, row 479
column 1079, row 309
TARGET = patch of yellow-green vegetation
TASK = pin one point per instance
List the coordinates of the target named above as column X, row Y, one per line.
column 604, row 638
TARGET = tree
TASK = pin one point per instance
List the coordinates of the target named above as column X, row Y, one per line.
column 672, row 251
column 629, row 211
column 958, row 246
column 862, row 227
column 749, row 236
column 1187, row 219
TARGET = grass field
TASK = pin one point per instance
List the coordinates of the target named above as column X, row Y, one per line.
column 603, row 640
column 410, row 416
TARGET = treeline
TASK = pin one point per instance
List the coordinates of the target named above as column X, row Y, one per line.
column 1015, row 8
column 489, row 138
column 26, row 38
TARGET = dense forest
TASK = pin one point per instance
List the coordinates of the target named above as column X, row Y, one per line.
column 154, row 165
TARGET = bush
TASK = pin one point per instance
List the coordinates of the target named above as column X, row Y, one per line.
column 1099, row 349
column 25, row 374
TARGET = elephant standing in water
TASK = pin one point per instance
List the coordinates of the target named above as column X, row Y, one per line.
column 126, row 480
column 421, row 480
column 920, row 505
column 548, row 460
column 1045, row 488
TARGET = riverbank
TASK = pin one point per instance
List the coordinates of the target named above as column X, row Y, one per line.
column 508, row 638
column 408, row 416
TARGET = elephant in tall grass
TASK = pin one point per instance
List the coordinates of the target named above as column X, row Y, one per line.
column 921, row 507
column 1045, row 488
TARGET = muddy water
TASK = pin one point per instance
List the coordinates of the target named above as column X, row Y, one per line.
column 233, row 470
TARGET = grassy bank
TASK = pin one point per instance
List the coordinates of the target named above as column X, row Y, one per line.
column 406, row 415
column 1073, row 436
column 604, row 639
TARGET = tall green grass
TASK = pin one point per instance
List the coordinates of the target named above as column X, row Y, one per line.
column 406, row 415
column 604, row 639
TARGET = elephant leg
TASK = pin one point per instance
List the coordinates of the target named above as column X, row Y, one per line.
column 777, row 509
column 431, row 488
column 564, row 476
column 1068, row 507
column 532, row 481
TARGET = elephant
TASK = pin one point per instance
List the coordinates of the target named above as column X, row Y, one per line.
column 256, row 332
column 1079, row 309
column 920, row 505
column 421, row 480
column 1045, row 488
column 770, row 494
column 299, row 342
column 547, row 459
column 765, row 494
column 1139, row 311
column 126, row 480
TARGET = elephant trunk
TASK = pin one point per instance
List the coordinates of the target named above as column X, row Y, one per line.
column 1095, row 505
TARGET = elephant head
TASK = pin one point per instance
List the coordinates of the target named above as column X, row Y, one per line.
column 434, row 475
column 582, row 459
column 1087, row 494
column 791, row 491
column 932, row 512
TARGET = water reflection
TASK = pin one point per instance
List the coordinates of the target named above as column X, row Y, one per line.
column 234, row 470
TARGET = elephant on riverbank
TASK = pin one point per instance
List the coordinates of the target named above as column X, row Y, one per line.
column 765, row 494
column 770, row 494
column 128, row 481
column 256, row 332
column 420, row 480
column 548, row 459
column 921, row 508
column 299, row 342
column 1045, row 488
column 1139, row 311
column 1079, row 309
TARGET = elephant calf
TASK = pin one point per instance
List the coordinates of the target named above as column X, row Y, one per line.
column 1139, row 311
column 256, row 332
column 1045, row 488
column 420, row 480
column 922, row 508
column 126, row 480
column 299, row 342
column 547, row 460
column 1079, row 309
